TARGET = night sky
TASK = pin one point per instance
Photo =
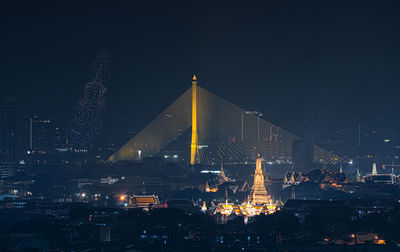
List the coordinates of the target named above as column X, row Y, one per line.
column 288, row 59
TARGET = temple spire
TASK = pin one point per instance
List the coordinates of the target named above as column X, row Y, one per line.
column 358, row 175
column 374, row 171
column 222, row 177
column 260, row 194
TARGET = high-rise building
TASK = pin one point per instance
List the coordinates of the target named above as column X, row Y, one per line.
column 41, row 135
column 8, row 169
column 61, row 137
column 8, row 128
column 104, row 233
column 302, row 154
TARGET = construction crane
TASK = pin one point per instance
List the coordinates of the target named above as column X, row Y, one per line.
column 390, row 165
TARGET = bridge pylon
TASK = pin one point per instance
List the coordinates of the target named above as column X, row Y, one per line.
column 194, row 146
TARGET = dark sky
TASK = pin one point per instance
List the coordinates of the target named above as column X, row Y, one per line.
column 286, row 58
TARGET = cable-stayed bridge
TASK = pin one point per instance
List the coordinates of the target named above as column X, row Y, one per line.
column 222, row 132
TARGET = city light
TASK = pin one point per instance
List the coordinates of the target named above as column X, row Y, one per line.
column 219, row 127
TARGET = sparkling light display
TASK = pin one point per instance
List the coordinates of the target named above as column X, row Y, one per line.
column 88, row 118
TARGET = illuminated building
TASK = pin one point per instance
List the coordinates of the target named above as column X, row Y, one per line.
column 358, row 176
column 259, row 192
column 204, row 207
column 374, row 177
column 214, row 189
column 374, row 171
column 222, row 178
column 380, row 179
column 143, row 201
column 292, row 178
column 225, row 208
column 365, row 237
column 246, row 209
column 207, row 187
column 249, row 209
column 261, row 201
column 109, row 180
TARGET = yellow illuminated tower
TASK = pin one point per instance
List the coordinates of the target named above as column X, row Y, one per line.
column 194, row 147
column 260, row 195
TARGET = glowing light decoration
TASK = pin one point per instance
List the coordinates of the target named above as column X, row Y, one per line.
column 88, row 119
column 246, row 209
column 225, row 209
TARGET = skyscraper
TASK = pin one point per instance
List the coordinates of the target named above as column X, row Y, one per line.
column 41, row 135
column 8, row 128
column 302, row 154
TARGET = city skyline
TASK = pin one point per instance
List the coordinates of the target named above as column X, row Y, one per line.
column 311, row 68
column 201, row 126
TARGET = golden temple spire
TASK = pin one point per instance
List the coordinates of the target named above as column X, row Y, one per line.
column 260, row 194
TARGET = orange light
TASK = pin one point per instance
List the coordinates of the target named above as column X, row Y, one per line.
column 353, row 235
column 122, row 197
column 381, row 242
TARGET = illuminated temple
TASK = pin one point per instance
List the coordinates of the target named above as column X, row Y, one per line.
column 259, row 193
column 259, row 202
column 213, row 185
